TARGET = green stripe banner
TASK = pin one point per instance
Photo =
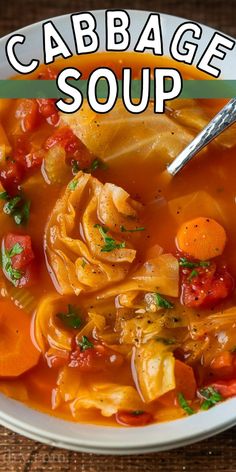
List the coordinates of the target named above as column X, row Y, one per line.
column 48, row 88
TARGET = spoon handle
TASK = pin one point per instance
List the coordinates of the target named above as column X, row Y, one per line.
column 225, row 118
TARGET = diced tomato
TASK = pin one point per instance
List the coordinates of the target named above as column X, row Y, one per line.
column 23, row 262
column 20, row 148
column 74, row 148
column 34, row 159
column 29, row 275
column 48, row 110
column 222, row 286
column 28, row 114
column 66, row 138
column 20, row 261
column 95, row 359
column 25, row 155
column 30, row 111
column 224, row 365
column 205, row 288
column 11, row 176
column 226, row 388
column 134, row 418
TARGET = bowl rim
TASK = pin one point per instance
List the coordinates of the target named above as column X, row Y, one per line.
column 120, row 441
column 207, row 424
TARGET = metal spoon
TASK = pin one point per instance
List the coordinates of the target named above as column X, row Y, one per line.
column 225, row 118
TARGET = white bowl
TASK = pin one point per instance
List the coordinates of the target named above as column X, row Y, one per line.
column 99, row 439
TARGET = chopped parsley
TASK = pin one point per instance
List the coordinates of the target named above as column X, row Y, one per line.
column 3, row 195
column 71, row 319
column 13, row 274
column 193, row 274
column 110, row 243
column 210, row 396
column 22, row 216
column 85, row 344
column 11, row 204
column 183, row 262
column 83, row 263
column 96, row 164
column 125, row 230
column 184, row 404
column 73, row 184
column 162, row 302
column 17, row 207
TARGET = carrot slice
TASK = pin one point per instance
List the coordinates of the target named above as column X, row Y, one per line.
column 17, row 352
column 223, row 365
column 201, row 238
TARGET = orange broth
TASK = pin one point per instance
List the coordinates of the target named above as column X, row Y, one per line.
column 213, row 172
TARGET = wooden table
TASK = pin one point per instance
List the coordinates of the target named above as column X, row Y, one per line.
column 19, row 454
